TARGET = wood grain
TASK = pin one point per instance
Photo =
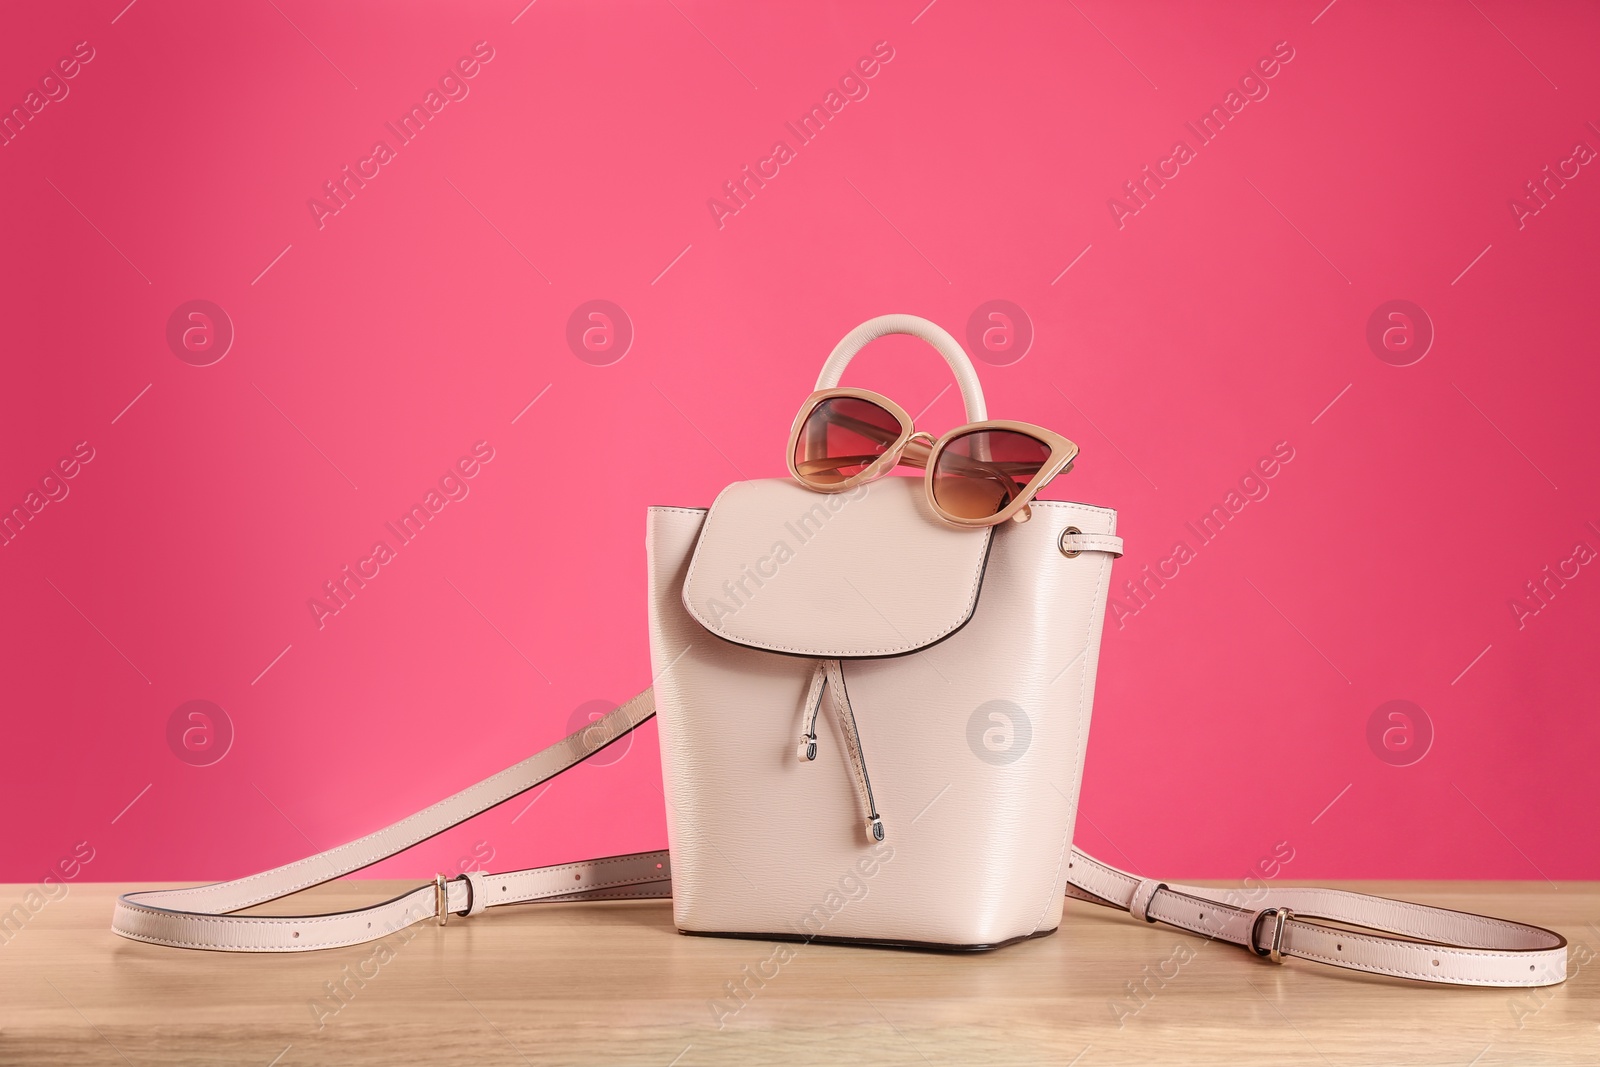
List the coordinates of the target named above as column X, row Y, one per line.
column 615, row 983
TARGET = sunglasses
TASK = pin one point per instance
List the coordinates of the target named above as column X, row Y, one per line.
column 980, row 474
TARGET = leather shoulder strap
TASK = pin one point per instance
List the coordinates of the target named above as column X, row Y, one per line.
column 202, row 917
column 1351, row 930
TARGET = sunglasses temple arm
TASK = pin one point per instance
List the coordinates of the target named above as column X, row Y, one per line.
column 968, row 466
column 915, row 453
column 833, row 463
column 865, row 429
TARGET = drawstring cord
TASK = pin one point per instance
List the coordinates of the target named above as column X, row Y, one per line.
column 808, row 732
column 828, row 681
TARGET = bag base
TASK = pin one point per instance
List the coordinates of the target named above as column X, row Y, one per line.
column 871, row 942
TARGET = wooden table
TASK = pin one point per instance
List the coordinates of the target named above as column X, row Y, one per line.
column 616, row 984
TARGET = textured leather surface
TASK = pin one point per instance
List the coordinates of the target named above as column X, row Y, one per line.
column 870, row 572
column 977, row 841
column 1082, row 542
column 165, row 917
column 1435, row 944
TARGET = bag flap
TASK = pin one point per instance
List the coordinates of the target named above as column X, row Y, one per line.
column 869, row 572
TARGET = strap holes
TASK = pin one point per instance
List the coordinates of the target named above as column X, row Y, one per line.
column 297, row 933
column 1530, row 966
column 1338, row 948
column 658, row 866
column 576, row 877
column 1436, row 963
column 1202, row 916
column 1062, row 542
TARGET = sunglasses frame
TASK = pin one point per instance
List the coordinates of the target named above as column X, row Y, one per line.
column 1062, row 453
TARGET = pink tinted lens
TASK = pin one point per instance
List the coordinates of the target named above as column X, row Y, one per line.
column 979, row 473
column 841, row 437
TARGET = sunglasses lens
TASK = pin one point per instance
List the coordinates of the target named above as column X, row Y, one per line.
column 979, row 473
column 841, row 437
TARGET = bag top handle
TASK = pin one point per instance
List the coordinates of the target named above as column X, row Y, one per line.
column 914, row 326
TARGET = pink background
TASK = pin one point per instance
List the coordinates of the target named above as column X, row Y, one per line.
column 1227, row 315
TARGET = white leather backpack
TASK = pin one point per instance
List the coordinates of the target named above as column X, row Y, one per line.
column 873, row 722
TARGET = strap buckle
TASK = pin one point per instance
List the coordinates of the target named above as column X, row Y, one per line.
column 441, row 899
column 1274, row 950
